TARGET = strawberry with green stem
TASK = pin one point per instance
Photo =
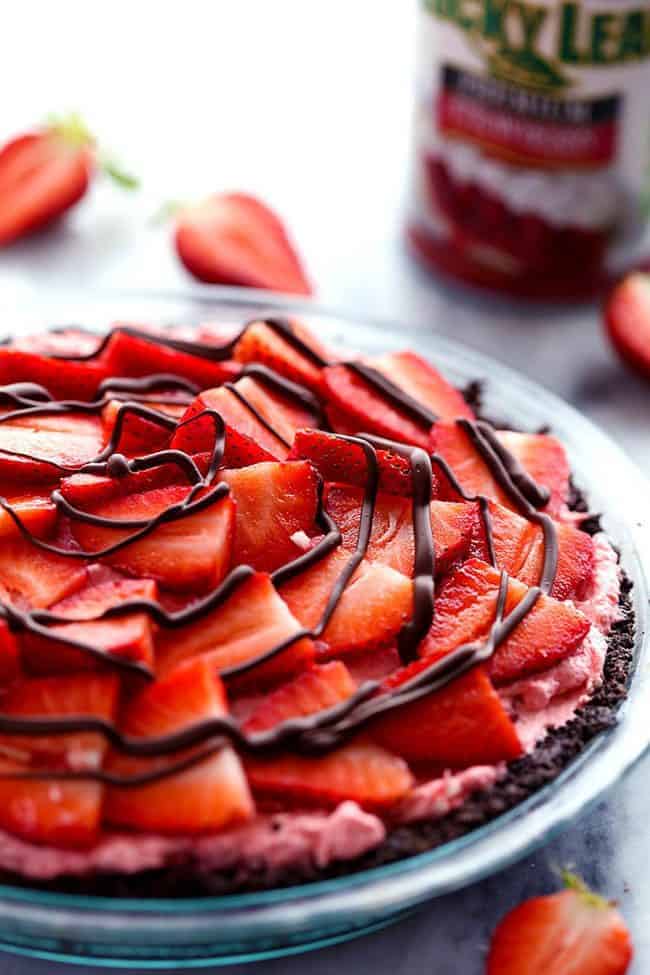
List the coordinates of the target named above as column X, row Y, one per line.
column 45, row 172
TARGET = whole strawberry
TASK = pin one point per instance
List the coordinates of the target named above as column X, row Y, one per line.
column 627, row 318
column 45, row 172
column 574, row 932
column 234, row 238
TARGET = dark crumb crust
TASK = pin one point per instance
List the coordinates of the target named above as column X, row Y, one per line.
column 524, row 777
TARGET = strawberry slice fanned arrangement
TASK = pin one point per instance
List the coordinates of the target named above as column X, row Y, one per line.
column 248, row 585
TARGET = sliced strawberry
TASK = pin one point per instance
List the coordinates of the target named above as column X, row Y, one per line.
column 38, row 515
column 392, row 539
column 189, row 553
column 140, row 435
column 453, row 444
column 339, row 460
column 274, row 501
column 127, row 637
column 316, row 689
column 30, row 359
column 55, row 812
column 249, row 623
column 365, row 407
column 133, row 350
column 209, row 795
column 261, row 343
column 627, row 320
column 519, row 547
column 575, row 932
column 234, row 238
column 9, row 655
column 545, row 460
column 465, row 611
column 364, row 773
column 36, row 577
column 48, row 443
column 541, row 455
column 462, row 724
column 262, row 426
column 375, row 605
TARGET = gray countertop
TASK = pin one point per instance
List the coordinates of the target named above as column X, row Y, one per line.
column 326, row 139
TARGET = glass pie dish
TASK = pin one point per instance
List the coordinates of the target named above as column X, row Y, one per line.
column 218, row 930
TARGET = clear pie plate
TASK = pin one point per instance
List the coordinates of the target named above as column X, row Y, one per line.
column 220, row 930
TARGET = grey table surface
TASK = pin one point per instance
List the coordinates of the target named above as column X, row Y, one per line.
column 325, row 137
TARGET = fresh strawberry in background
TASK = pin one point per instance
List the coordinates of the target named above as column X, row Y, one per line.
column 234, row 238
column 45, row 172
column 574, row 932
column 627, row 319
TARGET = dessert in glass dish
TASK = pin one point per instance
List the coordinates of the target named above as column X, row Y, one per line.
column 274, row 613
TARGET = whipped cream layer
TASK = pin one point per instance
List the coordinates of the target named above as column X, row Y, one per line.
column 270, row 843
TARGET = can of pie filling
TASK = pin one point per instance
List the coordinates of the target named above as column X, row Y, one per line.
column 532, row 142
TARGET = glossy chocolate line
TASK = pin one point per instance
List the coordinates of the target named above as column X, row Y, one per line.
column 424, row 567
column 394, row 394
column 493, row 459
column 252, row 409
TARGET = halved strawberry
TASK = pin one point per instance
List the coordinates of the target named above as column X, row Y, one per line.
column 30, row 359
column 265, row 422
column 392, row 539
column 127, row 637
column 261, row 343
column 234, row 238
column 364, row 773
column 187, row 553
column 209, row 795
column 627, row 319
column 316, row 689
column 55, row 812
column 466, row 609
column 274, row 501
column 48, row 442
column 249, row 623
column 36, row 577
column 338, row 460
column 366, row 407
column 375, row 605
column 133, row 350
column 575, row 932
column 37, row 513
column 140, row 435
column 460, row 725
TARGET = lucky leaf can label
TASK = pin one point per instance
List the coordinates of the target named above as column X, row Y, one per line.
column 532, row 141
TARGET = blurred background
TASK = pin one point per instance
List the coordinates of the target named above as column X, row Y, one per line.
column 309, row 106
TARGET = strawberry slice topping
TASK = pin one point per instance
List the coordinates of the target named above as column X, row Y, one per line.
column 32, row 359
column 316, row 689
column 364, row 772
column 262, row 344
column 374, row 606
column 190, row 553
column 210, row 794
column 32, row 576
column 274, row 501
column 251, row 622
column 463, row 724
column 392, row 541
column 465, row 611
column 51, row 811
column 340, row 460
column 36, row 448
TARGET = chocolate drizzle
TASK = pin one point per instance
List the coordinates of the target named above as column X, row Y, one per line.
column 325, row 730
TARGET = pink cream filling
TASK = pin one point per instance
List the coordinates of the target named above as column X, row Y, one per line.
column 293, row 839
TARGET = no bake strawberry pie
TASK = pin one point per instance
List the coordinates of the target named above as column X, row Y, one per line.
column 269, row 614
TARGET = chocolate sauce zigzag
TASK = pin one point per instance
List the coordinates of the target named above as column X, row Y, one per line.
column 324, row 730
